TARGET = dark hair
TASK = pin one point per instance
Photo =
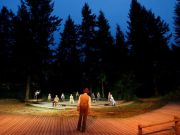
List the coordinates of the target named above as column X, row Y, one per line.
column 86, row 90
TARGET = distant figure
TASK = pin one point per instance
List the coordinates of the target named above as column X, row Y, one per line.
column 49, row 97
column 112, row 101
column 98, row 96
column 109, row 96
column 93, row 97
column 62, row 97
column 83, row 106
column 71, row 99
column 37, row 92
column 56, row 100
column 77, row 95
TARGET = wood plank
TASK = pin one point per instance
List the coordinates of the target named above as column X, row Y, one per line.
column 47, row 125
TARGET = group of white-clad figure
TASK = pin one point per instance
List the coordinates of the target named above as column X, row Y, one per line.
column 98, row 97
column 56, row 99
column 94, row 98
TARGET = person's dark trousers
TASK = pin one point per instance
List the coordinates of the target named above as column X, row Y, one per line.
column 82, row 118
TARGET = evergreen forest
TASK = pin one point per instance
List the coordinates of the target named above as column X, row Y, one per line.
column 141, row 62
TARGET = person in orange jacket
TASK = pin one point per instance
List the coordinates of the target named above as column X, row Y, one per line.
column 83, row 106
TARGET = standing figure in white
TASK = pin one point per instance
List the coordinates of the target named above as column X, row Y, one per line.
column 112, row 101
column 98, row 96
column 62, row 97
column 71, row 99
column 49, row 97
column 77, row 95
column 37, row 92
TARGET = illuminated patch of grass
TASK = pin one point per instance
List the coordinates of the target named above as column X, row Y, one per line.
column 119, row 111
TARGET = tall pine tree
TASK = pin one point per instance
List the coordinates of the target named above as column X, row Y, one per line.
column 121, row 65
column 176, row 47
column 23, row 58
column 148, row 39
column 6, row 47
column 104, row 41
column 120, row 51
column 177, row 23
column 87, row 36
column 41, row 26
column 68, row 61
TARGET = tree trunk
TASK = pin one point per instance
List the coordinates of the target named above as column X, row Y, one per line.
column 155, row 88
column 102, row 88
column 27, row 88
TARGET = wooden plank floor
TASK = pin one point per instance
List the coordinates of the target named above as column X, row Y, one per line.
column 40, row 125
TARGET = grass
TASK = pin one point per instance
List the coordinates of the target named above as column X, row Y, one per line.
column 138, row 107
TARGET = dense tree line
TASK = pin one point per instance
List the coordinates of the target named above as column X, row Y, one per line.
column 176, row 46
column 137, row 63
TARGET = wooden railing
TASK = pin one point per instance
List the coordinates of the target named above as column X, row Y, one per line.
column 174, row 125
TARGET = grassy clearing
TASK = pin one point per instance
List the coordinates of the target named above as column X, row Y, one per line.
column 136, row 108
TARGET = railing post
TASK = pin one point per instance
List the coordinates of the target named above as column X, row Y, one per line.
column 177, row 130
column 139, row 130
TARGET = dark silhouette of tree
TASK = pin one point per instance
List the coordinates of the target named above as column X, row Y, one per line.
column 38, row 36
column 87, row 35
column 120, row 51
column 104, row 52
column 103, row 39
column 6, row 47
column 87, row 54
column 68, row 61
column 120, row 39
column 23, row 58
column 177, row 23
column 148, row 39
column 176, row 47
column 121, row 65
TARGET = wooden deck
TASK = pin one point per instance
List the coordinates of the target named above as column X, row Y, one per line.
column 40, row 125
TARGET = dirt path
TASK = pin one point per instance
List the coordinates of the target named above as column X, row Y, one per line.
column 41, row 125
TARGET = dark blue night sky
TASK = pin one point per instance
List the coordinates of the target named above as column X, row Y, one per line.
column 116, row 11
